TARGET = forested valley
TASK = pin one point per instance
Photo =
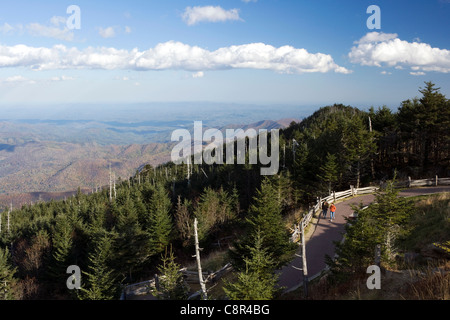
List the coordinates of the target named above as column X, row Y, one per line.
column 121, row 234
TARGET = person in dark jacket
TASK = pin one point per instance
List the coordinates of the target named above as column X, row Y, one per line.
column 324, row 209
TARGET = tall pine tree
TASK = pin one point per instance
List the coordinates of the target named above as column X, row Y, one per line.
column 7, row 279
column 257, row 281
column 265, row 217
column 160, row 220
column 100, row 283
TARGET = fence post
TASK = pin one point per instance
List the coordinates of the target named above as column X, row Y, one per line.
column 353, row 191
column 334, row 196
column 319, row 206
column 437, row 179
column 409, row 182
column 156, row 282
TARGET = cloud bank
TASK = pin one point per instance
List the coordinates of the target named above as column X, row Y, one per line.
column 386, row 49
column 170, row 56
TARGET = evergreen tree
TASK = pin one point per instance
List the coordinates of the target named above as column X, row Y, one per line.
column 265, row 217
column 423, row 124
column 100, row 283
column 183, row 220
column 376, row 225
column 7, row 279
column 131, row 243
column 160, row 220
column 214, row 208
column 328, row 173
column 62, row 250
column 358, row 145
column 171, row 282
column 258, row 281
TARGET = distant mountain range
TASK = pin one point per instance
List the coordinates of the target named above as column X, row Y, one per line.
column 33, row 167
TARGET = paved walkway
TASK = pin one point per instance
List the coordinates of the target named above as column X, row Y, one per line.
column 324, row 232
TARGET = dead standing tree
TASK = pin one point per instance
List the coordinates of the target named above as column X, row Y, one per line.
column 199, row 265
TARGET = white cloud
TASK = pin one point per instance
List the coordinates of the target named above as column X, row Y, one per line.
column 57, row 20
column 21, row 80
column 199, row 74
column 16, row 79
column 376, row 37
column 107, row 32
column 418, row 73
column 13, row 80
column 40, row 30
column 6, row 28
column 382, row 49
column 127, row 29
column 62, row 78
column 170, row 55
column 57, row 29
column 247, row 1
column 194, row 15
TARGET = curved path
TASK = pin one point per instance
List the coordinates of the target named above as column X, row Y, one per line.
column 319, row 240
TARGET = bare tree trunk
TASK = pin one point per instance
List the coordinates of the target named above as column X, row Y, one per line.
column 115, row 193
column 199, row 265
column 9, row 213
column 358, row 174
column 110, row 184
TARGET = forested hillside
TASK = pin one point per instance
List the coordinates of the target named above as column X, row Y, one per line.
column 117, row 235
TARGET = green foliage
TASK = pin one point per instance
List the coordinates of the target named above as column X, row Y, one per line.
column 257, row 282
column 160, row 221
column 213, row 209
column 7, row 279
column 62, row 250
column 377, row 225
column 100, row 283
column 328, row 173
column 171, row 282
column 423, row 124
column 264, row 218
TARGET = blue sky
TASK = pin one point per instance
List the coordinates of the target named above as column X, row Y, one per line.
column 269, row 52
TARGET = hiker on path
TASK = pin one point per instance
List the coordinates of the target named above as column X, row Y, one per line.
column 332, row 211
column 325, row 209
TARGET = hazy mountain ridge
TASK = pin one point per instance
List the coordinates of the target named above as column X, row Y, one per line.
column 47, row 169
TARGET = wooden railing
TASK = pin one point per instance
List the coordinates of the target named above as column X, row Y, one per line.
column 333, row 197
column 435, row 181
column 144, row 287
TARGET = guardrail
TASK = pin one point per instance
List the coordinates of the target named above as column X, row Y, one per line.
column 436, row 181
column 333, row 197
